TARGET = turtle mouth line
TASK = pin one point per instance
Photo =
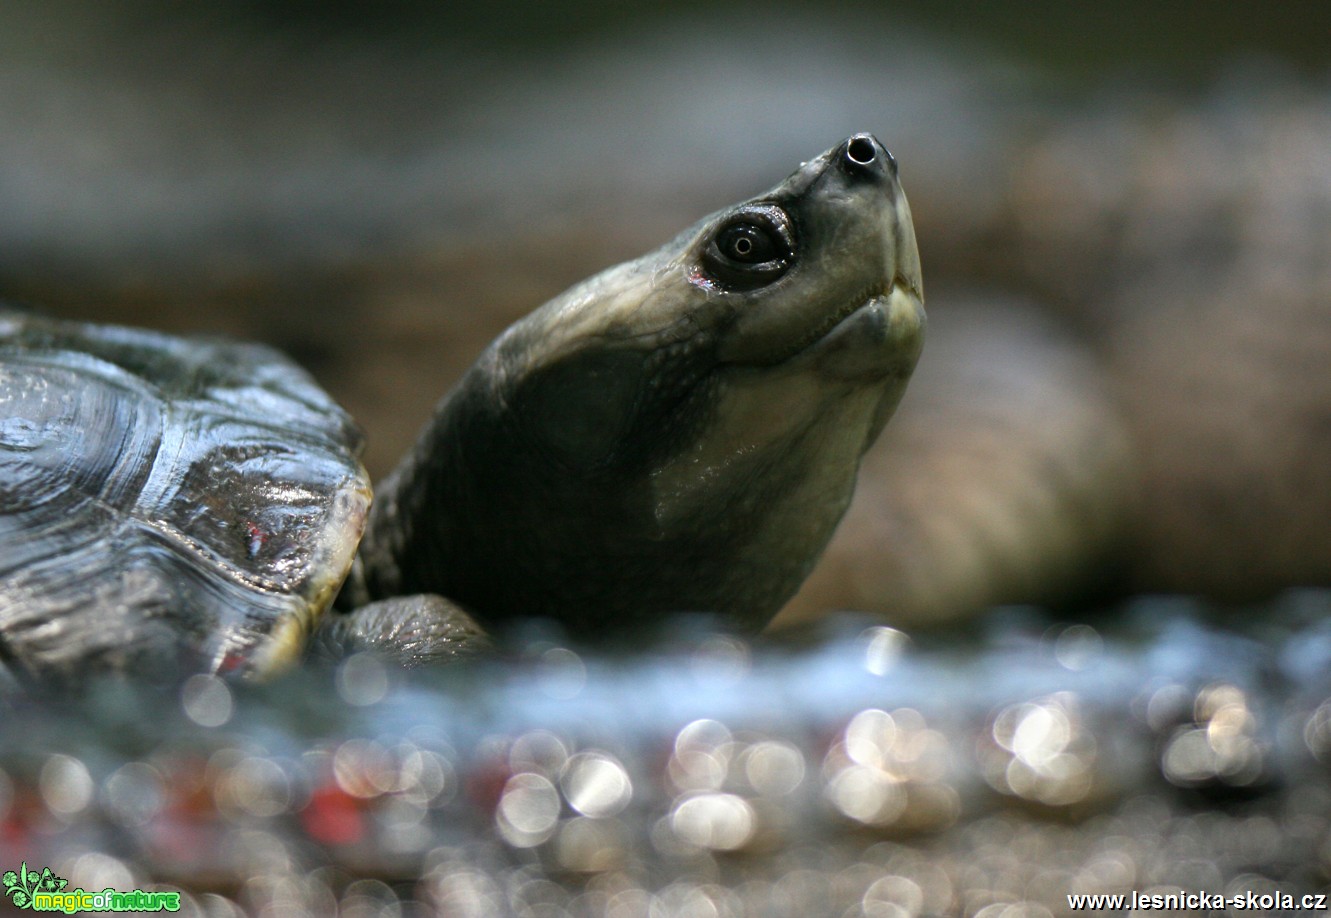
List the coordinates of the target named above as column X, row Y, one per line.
column 816, row 335
column 855, row 305
column 862, row 301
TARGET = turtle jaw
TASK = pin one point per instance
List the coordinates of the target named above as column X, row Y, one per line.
column 877, row 340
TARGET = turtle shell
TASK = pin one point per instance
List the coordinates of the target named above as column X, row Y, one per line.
column 166, row 504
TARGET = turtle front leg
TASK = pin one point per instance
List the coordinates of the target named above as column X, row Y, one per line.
column 413, row 630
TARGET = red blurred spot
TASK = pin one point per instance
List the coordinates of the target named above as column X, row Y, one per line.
column 233, row 661
column 26, row 813
column 332, row 816
column 258, row 538
column 189, row 795
column 484, row 785
column 14, row 834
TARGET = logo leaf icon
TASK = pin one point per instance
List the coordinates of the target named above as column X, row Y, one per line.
column 23, row 884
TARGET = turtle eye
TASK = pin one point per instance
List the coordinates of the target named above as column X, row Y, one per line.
column 752, row 248
column 746, row 243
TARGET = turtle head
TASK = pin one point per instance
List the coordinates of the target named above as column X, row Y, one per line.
column 819, row 278
column 841, row 294
column 682, row 432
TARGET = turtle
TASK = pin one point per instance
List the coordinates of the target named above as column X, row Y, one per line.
column 677, row 433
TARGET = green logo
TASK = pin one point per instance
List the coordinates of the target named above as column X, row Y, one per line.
column 45, row 892
column 23, row 885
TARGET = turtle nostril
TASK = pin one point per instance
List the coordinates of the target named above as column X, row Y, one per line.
column 863, row 157
column 860, row 150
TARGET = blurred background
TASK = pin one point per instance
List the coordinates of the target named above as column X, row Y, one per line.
column 1123, row 216
column 1125, row 219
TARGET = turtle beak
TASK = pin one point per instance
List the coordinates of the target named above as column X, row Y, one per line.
column 861, row 158
column 879, row 336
